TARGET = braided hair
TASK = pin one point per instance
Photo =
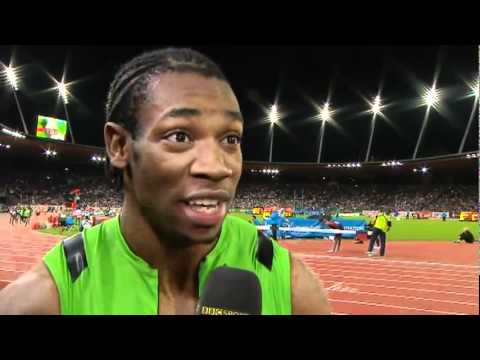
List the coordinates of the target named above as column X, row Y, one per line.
column 129, row 88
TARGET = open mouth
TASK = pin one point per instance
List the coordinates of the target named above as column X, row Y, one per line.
column 204, row 212
column 204, row 206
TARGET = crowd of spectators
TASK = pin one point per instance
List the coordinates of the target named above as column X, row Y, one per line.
column 96, row 190
column 357, row 197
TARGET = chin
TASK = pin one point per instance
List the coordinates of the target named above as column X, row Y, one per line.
column 203, row 235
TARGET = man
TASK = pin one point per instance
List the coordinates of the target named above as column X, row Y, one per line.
column 381, row 225
column 28, row 214
column 172, row 136
column 466, row 236
column 13, row 215
column 444, row 216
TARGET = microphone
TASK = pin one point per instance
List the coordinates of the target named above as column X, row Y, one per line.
column 231, row 291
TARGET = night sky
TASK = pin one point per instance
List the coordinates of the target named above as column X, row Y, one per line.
column 295, row 78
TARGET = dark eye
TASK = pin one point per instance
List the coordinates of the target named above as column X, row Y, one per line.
column 178, row 137
column 232, row 140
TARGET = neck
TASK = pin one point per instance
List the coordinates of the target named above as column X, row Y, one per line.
column 177, row 266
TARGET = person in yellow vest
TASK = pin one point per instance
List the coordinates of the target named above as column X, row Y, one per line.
column 381, row 225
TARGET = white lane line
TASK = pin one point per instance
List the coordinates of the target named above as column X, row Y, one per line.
column 384, row 268
column 407, row 289
column 323, row 275
column 380, row 265
column 409, row 298
column 395, row 307
column 419, row 263
column 16, row 262
column 394, row 276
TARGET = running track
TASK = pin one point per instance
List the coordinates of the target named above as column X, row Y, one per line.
column 421, row 278
column 415, row 278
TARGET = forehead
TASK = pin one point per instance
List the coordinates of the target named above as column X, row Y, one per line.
column 181, row 89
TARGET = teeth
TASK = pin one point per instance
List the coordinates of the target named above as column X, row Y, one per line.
column 203, row 202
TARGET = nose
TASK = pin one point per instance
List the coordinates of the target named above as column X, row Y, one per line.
column 210, row 161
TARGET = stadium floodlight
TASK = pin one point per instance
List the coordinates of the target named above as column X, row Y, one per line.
column 375, row 110
column 424, row 169
column 470, row 120
column 431, row 97
column 273, row 117
column 12, row 77
column 384, row 164
column 474, row 87
column 11, row 74
column 415, row 170
column 62, row 91
column 325, row 115
column 8, row 146
column 13, row 133
column 376, row 106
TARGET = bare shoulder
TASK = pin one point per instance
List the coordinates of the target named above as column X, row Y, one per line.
column 34, row 293
column 308, row 294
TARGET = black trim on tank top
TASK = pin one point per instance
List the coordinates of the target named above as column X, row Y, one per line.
column 75, row 255
column 264, row 250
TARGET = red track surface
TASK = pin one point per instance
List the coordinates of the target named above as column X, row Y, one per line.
column 414, row 278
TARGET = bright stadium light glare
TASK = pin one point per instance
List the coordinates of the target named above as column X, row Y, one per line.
column 54, row 153
column 62, row 91
column 431, row 97
column 474, row 87
column 415, row 170
column 325, row 113
column 12, row 77
column 376, row 106
column 273, row 115
column 424, row 169
column 13, row 133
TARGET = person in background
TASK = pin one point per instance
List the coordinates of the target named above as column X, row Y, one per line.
column 444, row 216
column 381, row 225
column 466, row 236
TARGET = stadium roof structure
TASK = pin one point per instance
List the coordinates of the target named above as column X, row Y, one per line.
column 464, row 164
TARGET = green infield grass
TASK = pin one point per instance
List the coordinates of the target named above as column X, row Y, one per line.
column 424, row 230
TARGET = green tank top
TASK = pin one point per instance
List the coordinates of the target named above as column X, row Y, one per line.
column 116, row 281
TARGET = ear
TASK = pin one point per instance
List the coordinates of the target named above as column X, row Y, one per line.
column 118, row 144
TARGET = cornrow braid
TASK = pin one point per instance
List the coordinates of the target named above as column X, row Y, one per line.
column 129, row 88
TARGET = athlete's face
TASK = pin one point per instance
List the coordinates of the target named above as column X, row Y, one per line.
column 187, row 160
